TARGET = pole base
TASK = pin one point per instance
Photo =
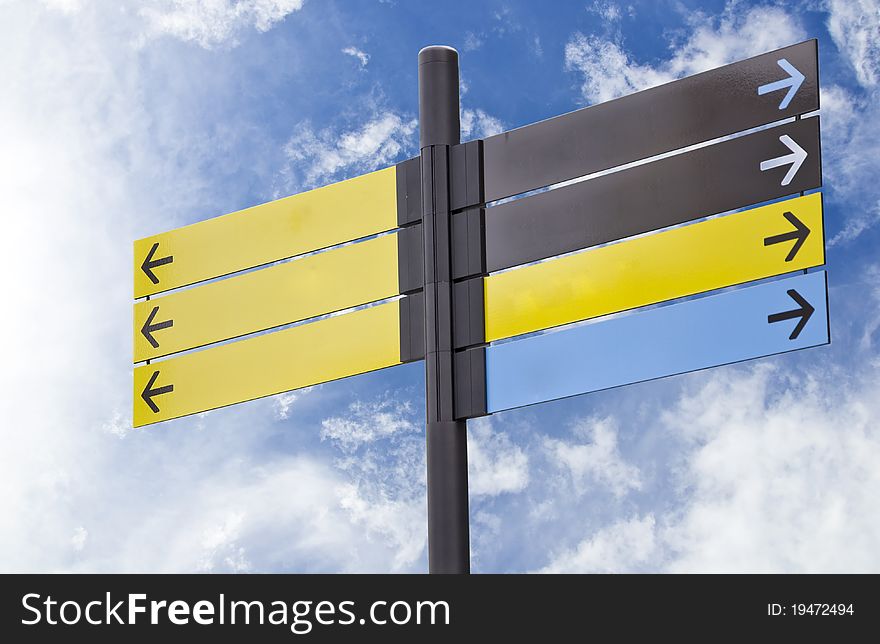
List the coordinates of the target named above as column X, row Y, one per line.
column 448, row 533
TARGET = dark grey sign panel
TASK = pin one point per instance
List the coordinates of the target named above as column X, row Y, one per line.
column 750, row 169
column 723, row 101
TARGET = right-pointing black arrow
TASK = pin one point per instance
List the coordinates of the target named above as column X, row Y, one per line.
column 148, row 392
column 799, row 235
column 148, row 328
column 150, row 263
column 804, row 313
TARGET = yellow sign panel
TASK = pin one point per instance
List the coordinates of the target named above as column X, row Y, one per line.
column 268, row 364
column 716, row 253
column 297, row 290
column 331, row 215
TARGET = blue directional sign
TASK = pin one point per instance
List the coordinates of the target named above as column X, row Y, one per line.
column 737, row 325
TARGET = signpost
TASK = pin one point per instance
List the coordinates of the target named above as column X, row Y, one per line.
column 311, row 285
column 599, row 282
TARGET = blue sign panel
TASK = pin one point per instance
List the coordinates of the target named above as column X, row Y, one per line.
column 738, row 325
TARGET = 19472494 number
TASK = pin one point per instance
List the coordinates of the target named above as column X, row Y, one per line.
column 817, row 610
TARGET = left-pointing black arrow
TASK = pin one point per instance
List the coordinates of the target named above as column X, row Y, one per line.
column 804, row 313
column 149, row 328
column 798, row 235
column 150, row 263
column 148, row 393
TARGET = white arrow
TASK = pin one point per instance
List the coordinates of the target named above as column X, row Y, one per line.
column 793, row 83
column 796, row 159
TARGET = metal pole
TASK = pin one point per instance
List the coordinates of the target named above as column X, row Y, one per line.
column 446, row 438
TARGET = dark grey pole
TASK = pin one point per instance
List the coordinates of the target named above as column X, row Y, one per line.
column 446, row 438
column 438, row 97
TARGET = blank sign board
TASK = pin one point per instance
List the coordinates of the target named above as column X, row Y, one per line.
column 738, row 325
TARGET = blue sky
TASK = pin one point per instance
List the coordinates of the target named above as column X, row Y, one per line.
column 122, row 120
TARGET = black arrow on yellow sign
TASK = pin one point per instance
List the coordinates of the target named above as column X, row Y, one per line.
column 148, row 328
column 799, row 235
column 148, row 393
column 804, row 312
column 150, row 263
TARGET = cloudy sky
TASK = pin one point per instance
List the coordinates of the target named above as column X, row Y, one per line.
column 122, row 119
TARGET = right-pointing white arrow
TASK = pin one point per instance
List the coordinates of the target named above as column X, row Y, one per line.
column 792, row 83
column 796, row 159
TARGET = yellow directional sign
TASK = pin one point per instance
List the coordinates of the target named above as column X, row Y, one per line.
column 297, row 290
column 309, row 221
column 300, row 356
column 716, row 253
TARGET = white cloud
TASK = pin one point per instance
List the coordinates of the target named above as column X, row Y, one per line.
column 79, row 538
column 235, row 520
column 82, row 168
column 318, row 157
column 598, row 460
column 210, row 23
column 284, row 403
column 118, row 425
column 841, row 111
column 608, row 11
column 537, row 47
column 366, row 423
column 855, row 27
column 609, row 72
column 473, row 41
column 736, row 34
column 857, row 223
column 505, row 21
column 850, row 147
column 398, row 519
column 773, row 472
column 475, row 122
column 319, row 525
column 68, row 7
column 626, row 546
column 70, row 156
column 871, row 285
column 478, row 124
column 782, row 478
column 496, row 465
column 384, row 462
column 219, row 545
column 363, row 57
column 498, row 473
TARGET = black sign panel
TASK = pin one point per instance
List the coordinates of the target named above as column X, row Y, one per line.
column 750, row 169
column 699, row 108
